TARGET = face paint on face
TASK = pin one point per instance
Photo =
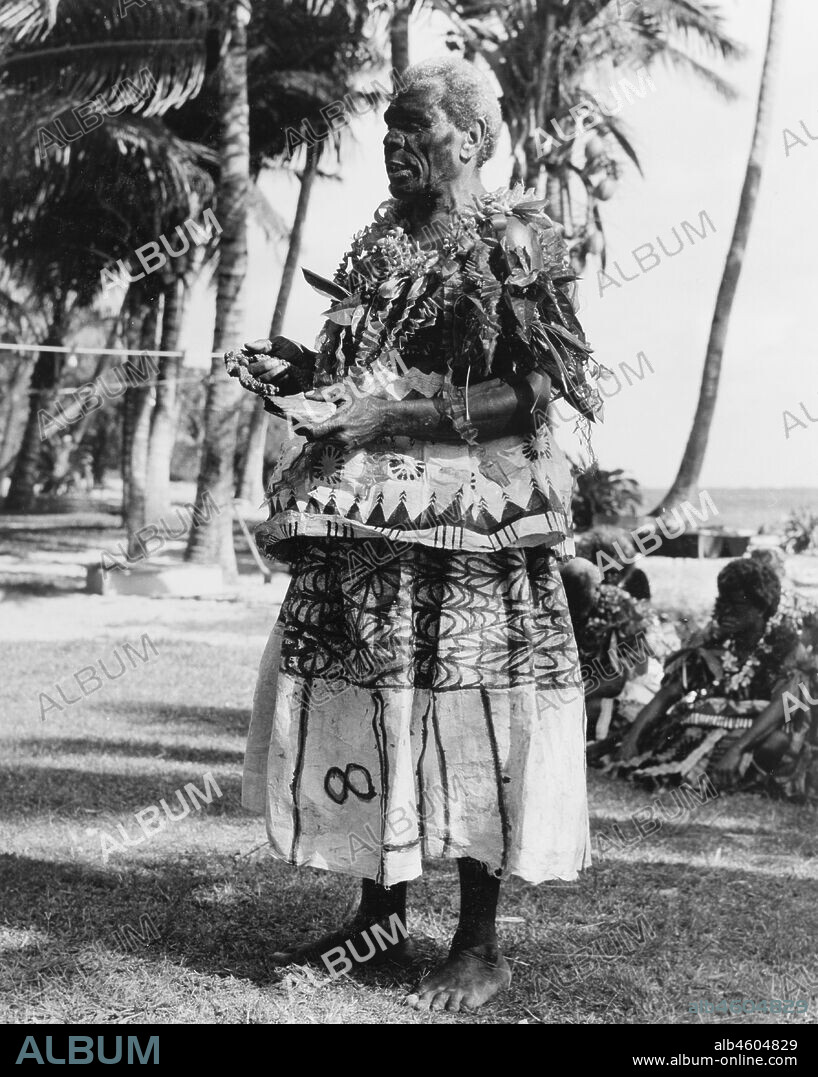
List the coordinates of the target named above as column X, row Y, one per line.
column 422, row 146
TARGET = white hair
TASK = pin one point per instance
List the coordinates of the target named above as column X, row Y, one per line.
column 467, row 96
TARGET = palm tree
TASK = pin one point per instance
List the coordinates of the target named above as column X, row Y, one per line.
column 54, row 57
column 687, row 477
column 399, row 14
column 307, row 54
column 143, row 308
column 42, row 394
column 165, row 415
column 211, row 535
column 250, row 481
column 121, row 184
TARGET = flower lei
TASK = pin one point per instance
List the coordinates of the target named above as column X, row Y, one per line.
column 388, row 288
column 614, row 616
column 731, row 675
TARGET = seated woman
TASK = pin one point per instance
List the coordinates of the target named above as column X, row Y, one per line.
column 611, row 632
column 723, row 706
column 614, row 553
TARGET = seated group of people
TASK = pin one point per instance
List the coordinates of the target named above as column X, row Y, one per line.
column 734, row 703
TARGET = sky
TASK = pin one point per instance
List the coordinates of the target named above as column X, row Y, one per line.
column 693, row 146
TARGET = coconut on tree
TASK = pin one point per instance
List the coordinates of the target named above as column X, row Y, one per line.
column 550, row 56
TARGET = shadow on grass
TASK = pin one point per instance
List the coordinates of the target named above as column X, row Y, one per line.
column 16, row 590
column 181, row 753
column 223, row 916
column 230, row 719
column 206, row 910
column 27, row 790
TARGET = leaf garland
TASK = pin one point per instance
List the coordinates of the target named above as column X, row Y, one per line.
column 479, row 289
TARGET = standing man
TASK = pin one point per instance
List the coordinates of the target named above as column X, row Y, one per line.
column 420, row 695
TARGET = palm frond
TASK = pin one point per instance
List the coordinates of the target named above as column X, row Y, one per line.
column 90, row 51
column 27, row 20
column 98, row 200
column 616, row 129
column 320, row 87
column 700, row 22
column 677, row 58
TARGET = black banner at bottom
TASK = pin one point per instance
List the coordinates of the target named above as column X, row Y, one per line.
column 648, row 1048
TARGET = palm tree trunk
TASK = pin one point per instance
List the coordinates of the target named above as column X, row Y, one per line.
column 8, row 422
column 251, row 487
column 42, row 396
column 80, row 427
column 687, row 478
column 165, row 417
column 399, row 36
column 211, row 533
column 136, row 426
column 541, row 111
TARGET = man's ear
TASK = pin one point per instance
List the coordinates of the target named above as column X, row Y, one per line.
column 473, row 141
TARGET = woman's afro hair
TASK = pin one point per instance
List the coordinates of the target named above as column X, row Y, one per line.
column 752, row 580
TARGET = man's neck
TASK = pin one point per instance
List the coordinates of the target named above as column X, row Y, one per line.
column 444, row 202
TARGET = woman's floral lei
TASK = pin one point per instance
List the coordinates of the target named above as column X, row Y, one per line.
column 717, row 668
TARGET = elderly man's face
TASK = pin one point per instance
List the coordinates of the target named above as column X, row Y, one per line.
column 422, row 146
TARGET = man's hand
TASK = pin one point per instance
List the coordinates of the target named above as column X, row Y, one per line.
column 281, row 362
column 357, row 421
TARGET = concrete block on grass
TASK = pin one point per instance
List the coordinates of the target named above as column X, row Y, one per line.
column 155, row 578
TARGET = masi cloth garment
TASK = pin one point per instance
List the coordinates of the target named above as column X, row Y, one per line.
column 415, row 703
column 407, row 323
column 508, row 491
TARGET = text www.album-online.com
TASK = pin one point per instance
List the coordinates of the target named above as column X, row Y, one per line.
column 713, row 1060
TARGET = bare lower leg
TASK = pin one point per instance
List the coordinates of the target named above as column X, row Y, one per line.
column 475, row 969
column 381, row 902
column 378, row 905
column 477, row 925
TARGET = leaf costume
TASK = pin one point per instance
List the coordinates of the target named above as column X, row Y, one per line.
column 489, row 302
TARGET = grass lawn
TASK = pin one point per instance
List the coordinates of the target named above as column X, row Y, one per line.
column 720, row 903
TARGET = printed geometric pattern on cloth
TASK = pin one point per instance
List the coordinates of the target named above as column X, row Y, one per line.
column 382, row 615
column 514, row 490
column 421, row 705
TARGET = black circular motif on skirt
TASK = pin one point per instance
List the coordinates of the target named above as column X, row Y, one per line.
column 338, row 784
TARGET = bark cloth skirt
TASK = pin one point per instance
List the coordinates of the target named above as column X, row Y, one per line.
column 421, row 703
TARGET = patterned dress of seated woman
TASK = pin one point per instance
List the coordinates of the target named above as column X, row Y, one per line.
column 734, row 703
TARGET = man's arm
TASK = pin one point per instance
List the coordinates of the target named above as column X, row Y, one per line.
column 495, row 408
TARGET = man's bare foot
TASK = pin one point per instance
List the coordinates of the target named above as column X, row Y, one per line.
column 466, row 980
column 358, row 942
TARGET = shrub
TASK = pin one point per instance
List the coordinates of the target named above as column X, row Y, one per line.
column 602, row 493
column 801, row 532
